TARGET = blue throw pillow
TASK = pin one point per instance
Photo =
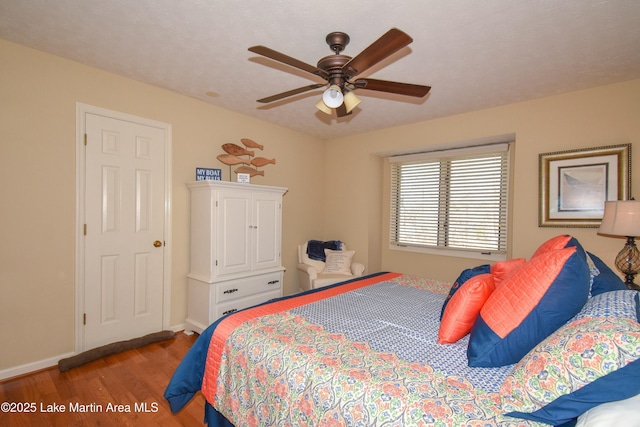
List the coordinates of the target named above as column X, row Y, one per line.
column 529, row 306
column 606, row 280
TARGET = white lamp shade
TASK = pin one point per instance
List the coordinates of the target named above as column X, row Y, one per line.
column 332, row 97
column 621, row 218
column 351, row 101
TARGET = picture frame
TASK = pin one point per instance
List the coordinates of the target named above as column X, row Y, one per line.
column 574, row 184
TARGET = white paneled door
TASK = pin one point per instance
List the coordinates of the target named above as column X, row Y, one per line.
column 124, row 242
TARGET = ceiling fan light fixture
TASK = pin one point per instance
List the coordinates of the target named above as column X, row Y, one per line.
column 351, row 101
column 332, row 97
column 320, row 105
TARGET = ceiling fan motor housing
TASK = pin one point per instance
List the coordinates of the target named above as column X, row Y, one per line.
column 337, row 41
column 332, row 64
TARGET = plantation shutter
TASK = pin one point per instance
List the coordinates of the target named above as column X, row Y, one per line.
column 452, row 199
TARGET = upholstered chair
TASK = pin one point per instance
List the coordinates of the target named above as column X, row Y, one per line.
column 338, row 267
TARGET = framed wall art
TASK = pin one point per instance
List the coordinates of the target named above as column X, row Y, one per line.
column 575, row 184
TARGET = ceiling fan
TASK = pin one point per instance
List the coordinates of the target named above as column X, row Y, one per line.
column 340, row 72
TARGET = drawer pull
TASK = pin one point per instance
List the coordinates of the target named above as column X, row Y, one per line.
column 233, row 310
column 273, row 282
column 230, row 291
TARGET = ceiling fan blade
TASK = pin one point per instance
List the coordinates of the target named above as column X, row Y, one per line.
column 392, row 87
column 390, row 42
column 281, row 57
column 289, row 93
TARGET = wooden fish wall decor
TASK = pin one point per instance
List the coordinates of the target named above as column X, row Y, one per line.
column 228, row 159
column 233, row 153
column 236, row 150
column 261, row 161
column 251, row 144
column 249, row 170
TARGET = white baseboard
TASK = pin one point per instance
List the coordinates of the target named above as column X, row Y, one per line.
column 49, row 362
column 31, row 367
column 177, row 328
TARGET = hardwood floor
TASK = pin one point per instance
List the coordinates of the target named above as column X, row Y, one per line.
column 133, row 378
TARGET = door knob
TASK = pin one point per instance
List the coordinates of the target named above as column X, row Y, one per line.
column 157, row 243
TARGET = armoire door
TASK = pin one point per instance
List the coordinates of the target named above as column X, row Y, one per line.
column 233, row 234
column 267, row 214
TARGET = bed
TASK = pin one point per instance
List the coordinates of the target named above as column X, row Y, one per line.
column 375, row 350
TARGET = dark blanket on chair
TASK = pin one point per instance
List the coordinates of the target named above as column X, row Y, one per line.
column 315, row 248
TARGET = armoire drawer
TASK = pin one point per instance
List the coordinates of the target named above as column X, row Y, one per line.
column 239, row 304
column 240, row 288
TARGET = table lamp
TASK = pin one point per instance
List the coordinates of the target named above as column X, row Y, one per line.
column 622, row 218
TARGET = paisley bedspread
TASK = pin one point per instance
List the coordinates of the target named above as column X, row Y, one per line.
column 359, row 354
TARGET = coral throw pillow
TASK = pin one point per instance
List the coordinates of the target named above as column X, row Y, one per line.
column 559, row 242
column 461, row 280
column 530, row 305
column 503, row 269
column 464, row 307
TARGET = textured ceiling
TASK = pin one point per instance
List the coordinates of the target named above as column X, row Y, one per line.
column 474, row 54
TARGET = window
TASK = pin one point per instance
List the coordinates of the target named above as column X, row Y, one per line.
column 451, row 200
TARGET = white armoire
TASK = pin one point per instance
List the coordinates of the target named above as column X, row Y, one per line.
column 236, row 234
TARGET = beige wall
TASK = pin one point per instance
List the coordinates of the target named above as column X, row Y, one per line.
column 600, row 116
column 38, row 95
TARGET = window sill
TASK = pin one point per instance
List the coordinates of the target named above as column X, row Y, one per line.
column 458, row 253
